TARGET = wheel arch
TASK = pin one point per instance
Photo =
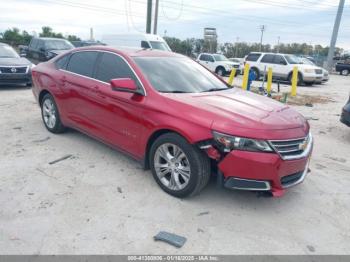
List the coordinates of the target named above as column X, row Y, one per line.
column 42, row 94
column 218, row 67
column 157, row 133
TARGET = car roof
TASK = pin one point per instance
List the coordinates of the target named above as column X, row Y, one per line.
column 3, row 44
column 50, row 38
column 133, row 52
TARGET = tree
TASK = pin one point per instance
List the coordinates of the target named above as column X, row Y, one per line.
column 46, row 31
column 73, row 38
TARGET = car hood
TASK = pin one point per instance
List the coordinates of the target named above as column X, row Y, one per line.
column 234, row 109
column 306, row 66
column 20, row 61
column 229, row 63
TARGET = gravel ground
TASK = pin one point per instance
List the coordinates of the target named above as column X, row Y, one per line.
column 101, row 202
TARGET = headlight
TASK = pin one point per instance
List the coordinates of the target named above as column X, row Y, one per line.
column 32, row 66
column 309, row 70
column 229, row 143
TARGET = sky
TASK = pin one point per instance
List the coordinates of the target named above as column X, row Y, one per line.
column 309, row 21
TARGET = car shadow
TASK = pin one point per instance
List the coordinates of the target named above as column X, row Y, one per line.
column 14, row 87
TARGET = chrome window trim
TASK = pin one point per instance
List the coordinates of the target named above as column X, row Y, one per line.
column 103, row 51
column 305, row 153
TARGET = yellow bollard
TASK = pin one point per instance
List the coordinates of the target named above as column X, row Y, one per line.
column 245, row 76
column 294, row 81
column 232, row 76
column 269, row 80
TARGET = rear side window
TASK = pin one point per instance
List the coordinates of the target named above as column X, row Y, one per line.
column 62, row 62
column 268, row 58
column 34, row 43
column 253, row 57
column 112, row 66
column 82, row 63
column 40, row 44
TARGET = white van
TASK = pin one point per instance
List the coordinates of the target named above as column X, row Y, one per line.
column 136, row 40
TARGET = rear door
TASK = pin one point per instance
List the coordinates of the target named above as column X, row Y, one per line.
column 118, row 114
column 78, row 87
column 266, row 62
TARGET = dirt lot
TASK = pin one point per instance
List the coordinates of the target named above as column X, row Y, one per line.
column 101, row 202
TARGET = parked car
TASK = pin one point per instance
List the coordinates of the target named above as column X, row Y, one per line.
column 175, row 117
column 240, row 61
column 13, row 68
column 345, row 115
column 44, row 48
column 342, row 68
column 218, row 63
column 325, row 72
column 146, row 41
column 282, row 66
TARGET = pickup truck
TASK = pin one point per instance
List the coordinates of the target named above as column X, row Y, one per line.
column 343, row 69
column 42, row 49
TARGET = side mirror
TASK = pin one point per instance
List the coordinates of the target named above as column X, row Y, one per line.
column 283, row 62
column 42, row 49
column 22, row 54
column 124, row 85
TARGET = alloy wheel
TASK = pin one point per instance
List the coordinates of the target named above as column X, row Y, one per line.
column 172, row 166
column 49, row 113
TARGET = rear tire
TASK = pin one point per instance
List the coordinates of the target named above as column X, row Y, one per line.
column 179, row 168
column 344, row 72
column 50, row 115
column 257, row 74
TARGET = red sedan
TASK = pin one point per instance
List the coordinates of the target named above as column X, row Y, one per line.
column 177, row 118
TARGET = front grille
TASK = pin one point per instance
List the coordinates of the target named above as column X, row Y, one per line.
column 318, row 71
column 291, row 179
column 291, row 148
column 13, row 70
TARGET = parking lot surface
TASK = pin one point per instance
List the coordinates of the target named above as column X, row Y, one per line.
column 99, row 201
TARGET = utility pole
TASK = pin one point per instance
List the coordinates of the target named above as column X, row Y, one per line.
column 236, row 46
column 262, row 29
column 278, row 44
column 335, row 35
column 155, row 25
column 149, row 16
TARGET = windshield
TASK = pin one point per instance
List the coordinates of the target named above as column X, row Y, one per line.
column 292, row 59
column 58, row 45
column 178, row 75
column 159, row 45
column 306, row 61
column 7, row 52
column 220, row 58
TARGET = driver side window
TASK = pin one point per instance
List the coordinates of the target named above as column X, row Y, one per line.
column 111, row 66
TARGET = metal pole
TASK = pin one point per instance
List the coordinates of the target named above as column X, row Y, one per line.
column 155, row 25
column 335, row 35
column 262, row 28
column 149, row 16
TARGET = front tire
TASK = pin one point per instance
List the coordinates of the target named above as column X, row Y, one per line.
column 299, row 81
column 220, row 71
column 50, row 115
column 179, row 168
